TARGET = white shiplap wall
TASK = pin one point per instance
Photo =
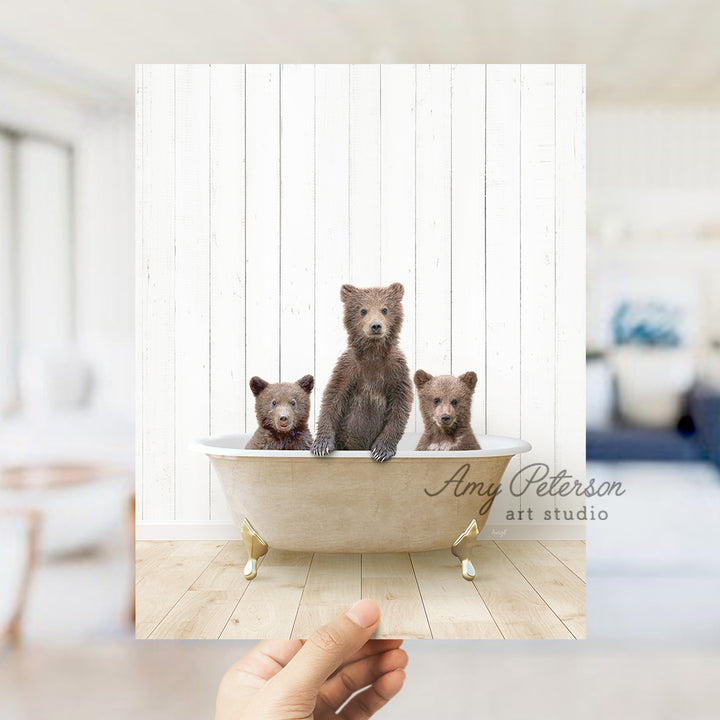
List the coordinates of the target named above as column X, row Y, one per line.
column 261, row 189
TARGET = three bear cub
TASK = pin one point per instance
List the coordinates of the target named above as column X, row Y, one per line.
column 367, row 401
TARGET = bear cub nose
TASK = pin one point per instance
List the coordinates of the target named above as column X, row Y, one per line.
column 445, row 418
column 376, row 327
column 283, row 418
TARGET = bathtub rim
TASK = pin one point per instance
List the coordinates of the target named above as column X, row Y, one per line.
column 211, row 446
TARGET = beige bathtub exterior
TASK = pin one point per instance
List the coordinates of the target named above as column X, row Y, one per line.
column 347, row 502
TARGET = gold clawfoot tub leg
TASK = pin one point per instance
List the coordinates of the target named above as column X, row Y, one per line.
column 256, row 548
column 462, row 548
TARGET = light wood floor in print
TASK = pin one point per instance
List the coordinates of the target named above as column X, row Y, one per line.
column 196, row 590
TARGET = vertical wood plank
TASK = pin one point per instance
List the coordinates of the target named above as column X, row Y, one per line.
column 166, row 578
column 468, row 230
column 537, row 271
column 571, row 553
column 365, row 185
column 297, row 221
column 198, row 615
column 397, row 212
column 389, row 579
column 225, row 572
column 228, row 396
column 158, row 289
column 432, row 211
column 560, row 587
column 517, row 608
column 332, row 586
column 192, row 288
column 454, row 608
column 332, row 263
column 570, row 275
column 262, row 222
column 502, row 242
column 267, row 609
column 141, row 98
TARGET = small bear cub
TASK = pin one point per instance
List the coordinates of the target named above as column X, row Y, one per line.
column 445, row 403
column 282, row 411
column 367, row 402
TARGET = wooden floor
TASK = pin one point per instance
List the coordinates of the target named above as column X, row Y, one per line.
column 523, row 589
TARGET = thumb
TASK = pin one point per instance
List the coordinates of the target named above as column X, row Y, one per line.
column 328, row 648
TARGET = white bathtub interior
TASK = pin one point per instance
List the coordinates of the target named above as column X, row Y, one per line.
column 233, row 445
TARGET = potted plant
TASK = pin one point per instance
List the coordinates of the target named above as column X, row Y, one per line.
column 654, row 367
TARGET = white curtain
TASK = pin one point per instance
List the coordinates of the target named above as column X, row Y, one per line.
column 36, row 259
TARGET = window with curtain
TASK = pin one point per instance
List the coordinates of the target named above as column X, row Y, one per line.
column 37, row 293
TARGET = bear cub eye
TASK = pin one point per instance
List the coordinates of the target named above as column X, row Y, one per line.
column 436, row 401
column 363, row 311
column 274, row 403
column 292, row 402
column 384, row 311
column 453, row 402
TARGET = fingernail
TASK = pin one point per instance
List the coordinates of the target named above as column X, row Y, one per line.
column 364, row 613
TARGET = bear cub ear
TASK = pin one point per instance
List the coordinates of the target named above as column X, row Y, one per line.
column 470, row 379
column 306, row 382
column 421, row 378
column 396, row 291
column 347, row 291
column 257, row 385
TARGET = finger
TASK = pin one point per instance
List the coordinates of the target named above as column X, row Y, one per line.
column 281, row 651
column 276, row 653
column 264, row 661
column 246, row 676
column 374, row 647
column 328, row 648
column 358, row 675
column 369, row 701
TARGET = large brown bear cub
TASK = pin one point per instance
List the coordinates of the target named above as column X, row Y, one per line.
column 445, row 403
column 367, row 402
column 282, row 411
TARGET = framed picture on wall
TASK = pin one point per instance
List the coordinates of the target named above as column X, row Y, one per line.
column 269, row 199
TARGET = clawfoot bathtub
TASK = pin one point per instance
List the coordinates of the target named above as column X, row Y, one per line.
column 348, row 503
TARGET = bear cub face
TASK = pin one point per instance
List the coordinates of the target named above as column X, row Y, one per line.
column 445, row 404
column 282, row 408
column 372, row 315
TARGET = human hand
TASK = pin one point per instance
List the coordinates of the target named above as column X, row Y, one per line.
column 312, row 679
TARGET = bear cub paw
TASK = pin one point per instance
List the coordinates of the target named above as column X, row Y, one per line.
column 323, row 446
column 383, row 451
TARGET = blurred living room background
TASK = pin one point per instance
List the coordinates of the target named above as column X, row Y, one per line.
column 66, row 348
column 67, row 313
column 653, row 361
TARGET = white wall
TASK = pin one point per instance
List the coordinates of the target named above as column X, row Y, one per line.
column 261, row 189
column 45, row 263
column 654, row 216
column 105, row 257
column 655, row 152
column 66, row 240
column 8, row 334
